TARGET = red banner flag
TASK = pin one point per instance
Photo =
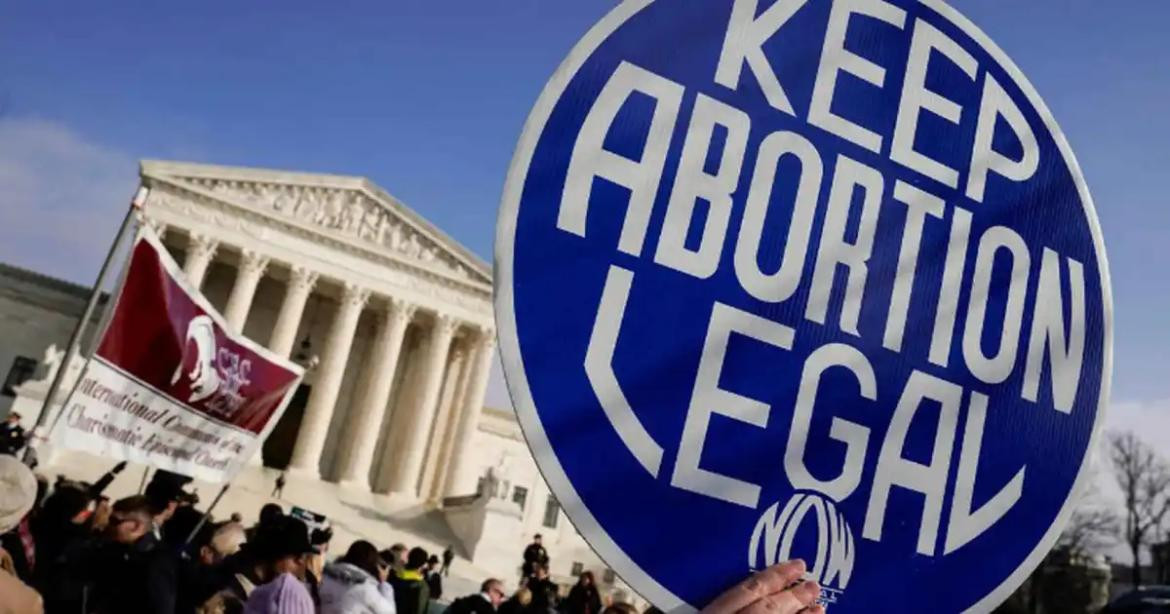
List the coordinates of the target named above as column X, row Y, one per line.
column 169, row 384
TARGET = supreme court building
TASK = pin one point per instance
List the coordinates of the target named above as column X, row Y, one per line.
column 393, row 320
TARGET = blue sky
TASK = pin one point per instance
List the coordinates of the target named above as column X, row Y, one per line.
column 427, row 99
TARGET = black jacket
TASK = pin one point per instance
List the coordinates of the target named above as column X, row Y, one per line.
column 471, row 604
column 12, row 438
column 544, row 595
column 138, row 579
column 534, row 553
column 582, row 600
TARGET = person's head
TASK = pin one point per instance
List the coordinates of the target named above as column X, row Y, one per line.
column 586, row 579
column 130, row 519
column 539, row 571
column 494, row 590
column 68, row 504
column 536, row 539
column 282, row 546
column 416, row 559
column 432, row 562
column 221, row 541
column 270, row 512
column 18, row 492
column 620, row 607
column 363, row 555
column 13, row 418
column 523, row 596
column 237, row 518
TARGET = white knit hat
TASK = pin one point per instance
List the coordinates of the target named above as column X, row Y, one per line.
column 18, row 491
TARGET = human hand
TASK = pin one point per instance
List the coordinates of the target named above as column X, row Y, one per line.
column 779, row 589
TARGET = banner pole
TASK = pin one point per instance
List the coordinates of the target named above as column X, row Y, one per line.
column 75, row 337
column 142, row 484
column 206, row 515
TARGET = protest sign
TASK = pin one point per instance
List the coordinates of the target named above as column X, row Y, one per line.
column 804, row 279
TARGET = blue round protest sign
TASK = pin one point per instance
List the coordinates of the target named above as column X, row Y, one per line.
column 814, row 280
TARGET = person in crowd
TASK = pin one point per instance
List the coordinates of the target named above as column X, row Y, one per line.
column 583, row 598
column 165, row 494
column 534, row 555
column 517, row 603
column 278, row 491
column 60, row 531
column 396, row 556
column 433, row 578
column 204, row 572
column 357, row 583
column 411, row 593
column 544, row 591
column 281, row 552
column 448, row 558
column 319, row 539
column 269, row 513
column 12, row 436
column 18, row 492
column 486, row 601
column 131, row 572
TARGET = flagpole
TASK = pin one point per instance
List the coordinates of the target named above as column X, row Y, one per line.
column 206, row 515
column 75, row 338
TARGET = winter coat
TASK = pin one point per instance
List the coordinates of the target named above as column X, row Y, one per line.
column 582, row 600
column 348, row 589
column 471, row 604
column 18, row 598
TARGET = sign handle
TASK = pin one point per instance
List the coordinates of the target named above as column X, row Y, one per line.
column 206, row 515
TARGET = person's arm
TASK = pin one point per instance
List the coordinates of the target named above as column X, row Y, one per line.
column 779, row 589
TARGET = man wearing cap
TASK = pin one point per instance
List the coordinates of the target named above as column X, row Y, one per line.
column 281, row 550
column 12, row 437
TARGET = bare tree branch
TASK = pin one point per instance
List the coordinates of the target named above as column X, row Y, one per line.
column 1144, row 478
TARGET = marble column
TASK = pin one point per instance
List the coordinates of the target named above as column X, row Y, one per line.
column 417, row 419
column 248, row 275
column 200, row 251
column 443, row 429
column 361, row 431
column 461, row 475
column 284, row 333
column 306, row 455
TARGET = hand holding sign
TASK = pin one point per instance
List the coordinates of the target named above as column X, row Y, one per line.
column 780, row 589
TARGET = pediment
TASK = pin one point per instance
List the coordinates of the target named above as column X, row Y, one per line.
column 352, row 208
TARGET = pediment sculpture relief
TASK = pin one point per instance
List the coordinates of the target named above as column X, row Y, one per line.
column 343, row 210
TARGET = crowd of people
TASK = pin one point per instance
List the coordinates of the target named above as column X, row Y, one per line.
column 66, row 548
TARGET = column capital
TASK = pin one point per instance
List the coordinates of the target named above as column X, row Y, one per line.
column 485, row 334
column 203, row 244
column 158, row 226
column 445, row 324
column 399, row 309
column 302, row 278
column 354, row 295
column 252, row 261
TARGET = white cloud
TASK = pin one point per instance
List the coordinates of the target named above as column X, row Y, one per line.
column 61, row 197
